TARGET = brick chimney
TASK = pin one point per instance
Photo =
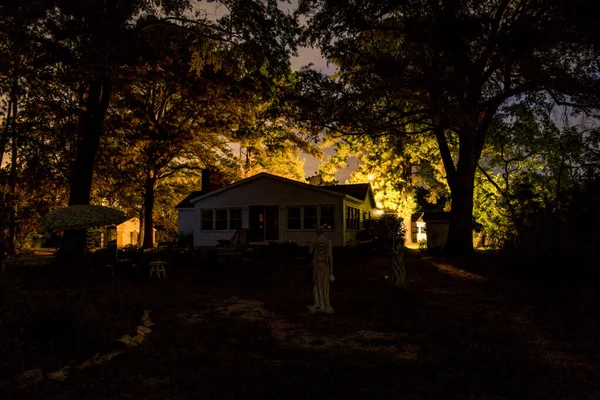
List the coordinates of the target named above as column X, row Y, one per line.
column 206, row 180
column 212, row 179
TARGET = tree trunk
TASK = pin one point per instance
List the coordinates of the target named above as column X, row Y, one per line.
column 480, row 240
column 94, row 101
column 4, row 137
column 460, row 230
column 407, row 219
column 148, row 210
column 408, row 226
column 12, row 178
column 141, row 230
column 461, row 180
column 12, row 183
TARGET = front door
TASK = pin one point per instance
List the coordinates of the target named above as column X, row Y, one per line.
column 256, row 224
column 264, row 223
column 272, row 223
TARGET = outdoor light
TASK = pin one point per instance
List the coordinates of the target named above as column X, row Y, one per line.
column 378, row 212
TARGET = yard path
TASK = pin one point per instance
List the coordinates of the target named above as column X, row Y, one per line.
column 455, row 335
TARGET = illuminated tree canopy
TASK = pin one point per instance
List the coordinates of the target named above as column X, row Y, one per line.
column 445, row 68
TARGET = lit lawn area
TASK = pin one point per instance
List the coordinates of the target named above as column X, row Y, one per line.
column 245, row 333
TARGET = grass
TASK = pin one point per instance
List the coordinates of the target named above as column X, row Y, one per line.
column 245, row 332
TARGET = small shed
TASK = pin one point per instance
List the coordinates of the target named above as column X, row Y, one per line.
column 125, row 234
column 431, row 226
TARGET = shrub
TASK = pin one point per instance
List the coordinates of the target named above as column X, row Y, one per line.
column 381, row 234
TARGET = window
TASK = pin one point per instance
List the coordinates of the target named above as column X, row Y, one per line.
column 221, row 220
column 207, row 220
column 294, row 218
column 235, row 218
column 327, row 217
column 310, row 217
column 352, row 218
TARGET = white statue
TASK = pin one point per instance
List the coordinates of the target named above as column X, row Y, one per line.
column 322, row 262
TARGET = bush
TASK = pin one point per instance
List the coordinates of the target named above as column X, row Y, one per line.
column 557, row 243
column 379, row 235
column 185, row 240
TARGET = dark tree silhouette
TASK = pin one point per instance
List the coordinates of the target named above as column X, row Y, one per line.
column 445, row 68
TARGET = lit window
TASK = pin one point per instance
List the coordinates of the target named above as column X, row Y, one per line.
column 352, row 218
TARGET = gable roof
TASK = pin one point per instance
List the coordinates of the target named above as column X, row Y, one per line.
column 200, row 195
column 186, row 203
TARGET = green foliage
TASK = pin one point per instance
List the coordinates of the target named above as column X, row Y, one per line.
column 83, row 216
column 395, row 166
column 444, row 68
column 530, row 164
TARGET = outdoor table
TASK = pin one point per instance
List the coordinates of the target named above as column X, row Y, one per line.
column 158, row 267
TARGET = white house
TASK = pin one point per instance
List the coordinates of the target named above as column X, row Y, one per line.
column 271, row 208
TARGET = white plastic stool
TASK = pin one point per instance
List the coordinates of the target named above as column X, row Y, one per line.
column 158, row 267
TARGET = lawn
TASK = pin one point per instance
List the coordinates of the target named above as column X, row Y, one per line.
column 243, row 331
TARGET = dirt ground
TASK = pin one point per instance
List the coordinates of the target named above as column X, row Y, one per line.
column 244, row 332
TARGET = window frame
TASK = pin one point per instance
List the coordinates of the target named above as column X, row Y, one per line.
column 229, row 219
column 224, row 227
column 304, row 217
column 332, row 207
column 352, row 218
column 203, row 220
column 298, row 218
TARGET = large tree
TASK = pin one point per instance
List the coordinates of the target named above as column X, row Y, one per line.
column 24, row 65
column 165, row 118
column 94, row 39
column 395, row 166
column 190, row 94
column 446, row 68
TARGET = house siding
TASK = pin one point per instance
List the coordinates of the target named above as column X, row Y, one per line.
column 304, row 236
column 186, row 220
column 268, row 191
column 364, row 207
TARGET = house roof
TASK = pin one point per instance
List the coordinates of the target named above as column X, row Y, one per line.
column 357, row 190
column 200, row 195
column 416, row 216
column 186, row 203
